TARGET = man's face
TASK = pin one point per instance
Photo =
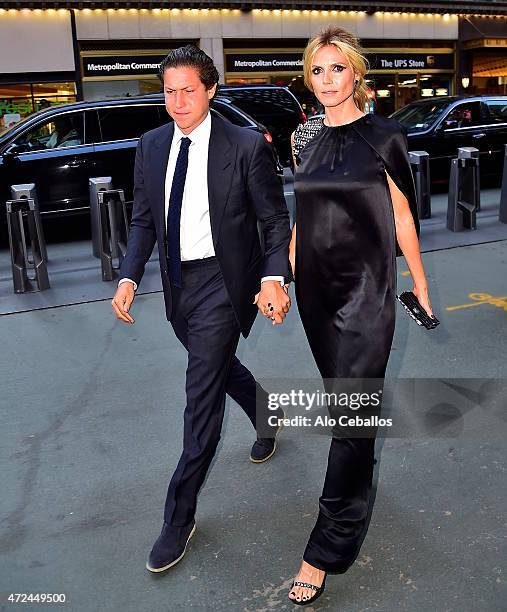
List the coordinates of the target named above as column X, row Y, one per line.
column 186, row 98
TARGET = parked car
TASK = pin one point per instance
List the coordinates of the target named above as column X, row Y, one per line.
column 275, row 107
column 440, row 125
column 60, row 148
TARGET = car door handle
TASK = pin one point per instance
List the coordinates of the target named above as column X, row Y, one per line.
column 76, row 163
column 479, row 135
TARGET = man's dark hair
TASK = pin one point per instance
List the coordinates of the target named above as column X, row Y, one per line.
column 192, row 57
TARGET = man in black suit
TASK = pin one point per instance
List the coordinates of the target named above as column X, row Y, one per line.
column 201, row 187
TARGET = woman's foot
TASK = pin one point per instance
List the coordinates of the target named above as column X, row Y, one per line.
column 310, row 575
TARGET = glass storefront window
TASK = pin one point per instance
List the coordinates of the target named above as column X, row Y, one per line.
column 388, row 92
column 435, row 85
column 383, row 91
column 19, row 101
column 408, row 90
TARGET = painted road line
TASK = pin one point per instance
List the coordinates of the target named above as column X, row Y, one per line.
column 482, row 298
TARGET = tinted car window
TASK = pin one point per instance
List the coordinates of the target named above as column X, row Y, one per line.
column 464, row 115
column 421, row 116
column 65, row 130
column 230, row 113
column 497, row 111
column 124, row 122
column 263, row 102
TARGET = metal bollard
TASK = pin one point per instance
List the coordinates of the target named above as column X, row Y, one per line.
column 420, row 163
column 96, row 185
column 113, row 230
column 464, row 190
column 28, row 191
column 502, row 216
column 20, row 260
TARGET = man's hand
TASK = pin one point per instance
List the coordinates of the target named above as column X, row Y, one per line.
column 273, row 301
column 122, row 301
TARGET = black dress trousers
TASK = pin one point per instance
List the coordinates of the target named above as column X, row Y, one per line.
column 204, row 322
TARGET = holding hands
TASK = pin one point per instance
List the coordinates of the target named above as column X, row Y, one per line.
column 273, row 301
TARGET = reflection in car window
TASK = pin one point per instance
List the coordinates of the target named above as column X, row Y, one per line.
column 58, row 132
column 464, row 115
column 420, row 116
column 497, row 111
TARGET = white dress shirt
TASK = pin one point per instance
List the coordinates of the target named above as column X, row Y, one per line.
column 196, row 240
column 195, row 227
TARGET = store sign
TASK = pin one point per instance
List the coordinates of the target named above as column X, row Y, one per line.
column 121, row 65
column 293, row 62
column 410, row 61
column 264, row 62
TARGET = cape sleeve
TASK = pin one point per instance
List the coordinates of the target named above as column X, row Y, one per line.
column 389, row 139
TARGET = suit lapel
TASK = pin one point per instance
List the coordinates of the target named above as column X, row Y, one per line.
column 221, row 163
column 159, row 168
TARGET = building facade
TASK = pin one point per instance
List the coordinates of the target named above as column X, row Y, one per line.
column 57, row 55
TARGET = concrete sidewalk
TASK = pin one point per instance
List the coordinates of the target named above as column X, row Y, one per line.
column 75, row 275
column 91, row 417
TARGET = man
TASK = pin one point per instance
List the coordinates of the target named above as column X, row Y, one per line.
column 201, row 186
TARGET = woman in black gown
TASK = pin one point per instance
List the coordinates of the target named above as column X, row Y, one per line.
column 356, row 210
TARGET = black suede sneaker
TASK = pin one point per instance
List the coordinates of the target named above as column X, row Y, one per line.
column 170, row 546
column 264, row 448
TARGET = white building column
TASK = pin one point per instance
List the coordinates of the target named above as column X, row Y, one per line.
column 215, row 49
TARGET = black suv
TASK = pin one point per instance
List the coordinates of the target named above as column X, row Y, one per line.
column 60, row 148
column 440, row 125
column 275, row 107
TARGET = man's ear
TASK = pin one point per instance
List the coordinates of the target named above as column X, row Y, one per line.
column 212, row 91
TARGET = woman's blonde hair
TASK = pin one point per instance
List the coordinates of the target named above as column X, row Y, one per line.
column 349, row 45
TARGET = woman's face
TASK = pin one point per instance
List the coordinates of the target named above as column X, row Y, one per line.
column 332, row 76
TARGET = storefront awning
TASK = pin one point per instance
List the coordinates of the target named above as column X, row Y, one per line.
column 490, row 66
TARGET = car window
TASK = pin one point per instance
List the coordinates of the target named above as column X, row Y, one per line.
column 92, row 129
column 129, row 121
column 497, row 111
column 420, row 116
column 262, row 103
column 230, row 113
column 464, row 115
column 59, row 131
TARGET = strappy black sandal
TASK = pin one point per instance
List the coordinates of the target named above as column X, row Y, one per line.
column 307, row 585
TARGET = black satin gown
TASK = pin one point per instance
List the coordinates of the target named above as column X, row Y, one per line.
column 345, row 289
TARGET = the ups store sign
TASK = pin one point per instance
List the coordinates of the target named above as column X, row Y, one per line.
column 411, row 61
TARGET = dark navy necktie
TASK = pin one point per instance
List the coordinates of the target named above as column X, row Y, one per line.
column 174, row 213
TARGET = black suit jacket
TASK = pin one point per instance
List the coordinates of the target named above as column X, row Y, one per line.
column 243, row 189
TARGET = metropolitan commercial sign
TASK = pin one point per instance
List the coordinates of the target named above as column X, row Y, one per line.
column 120, row 65
column 264, row 62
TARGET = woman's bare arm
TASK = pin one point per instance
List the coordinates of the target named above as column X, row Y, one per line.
column 409, row 243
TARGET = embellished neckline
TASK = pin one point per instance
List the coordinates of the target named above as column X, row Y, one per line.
column 331, row 127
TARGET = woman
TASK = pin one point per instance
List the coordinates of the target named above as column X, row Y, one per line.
column 356, row 210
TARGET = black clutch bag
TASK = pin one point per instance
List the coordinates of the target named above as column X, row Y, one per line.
column 412, row 305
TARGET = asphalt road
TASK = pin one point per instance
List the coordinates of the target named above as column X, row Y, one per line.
column 91, row 421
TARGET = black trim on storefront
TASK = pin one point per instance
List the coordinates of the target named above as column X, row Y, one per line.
column 21, row 78
column 133, row 44
column 483, row 7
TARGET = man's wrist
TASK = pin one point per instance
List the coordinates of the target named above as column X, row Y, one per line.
column 280, row 279
column 127, row 280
